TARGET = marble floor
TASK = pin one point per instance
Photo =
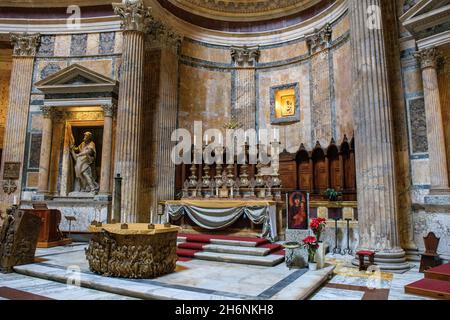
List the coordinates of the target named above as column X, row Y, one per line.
column 193, row 280
column 63, row 273
column 348, row 283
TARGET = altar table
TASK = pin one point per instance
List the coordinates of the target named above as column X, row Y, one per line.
column 218, row 214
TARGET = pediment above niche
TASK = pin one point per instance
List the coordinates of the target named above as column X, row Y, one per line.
column 77, row 79
column 427, row 18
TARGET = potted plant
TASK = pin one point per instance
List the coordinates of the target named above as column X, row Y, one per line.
column 310, row 243
column 317, row 225
column 332, row 194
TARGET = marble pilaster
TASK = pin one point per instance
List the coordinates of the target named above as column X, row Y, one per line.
column 245, row 60
column 435, row 127
column 375, row 167
column 319, row 50
column 25, row 46
column 135, row 19
column 162, row 53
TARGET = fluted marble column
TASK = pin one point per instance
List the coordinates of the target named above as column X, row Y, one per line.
column 135, row 19
column 245, row 60
column 25, row 46
column 46, row 148
column 105, row 174
column 435, row 127
column 377, row 207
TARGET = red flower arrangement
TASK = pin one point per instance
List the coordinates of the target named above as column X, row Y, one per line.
column 317, row 225
column 311, row 244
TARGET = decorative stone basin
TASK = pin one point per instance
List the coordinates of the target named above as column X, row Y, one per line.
column 132, row 251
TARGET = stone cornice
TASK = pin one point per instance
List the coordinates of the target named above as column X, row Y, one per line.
column 320, row 40
column 245, row 56
column 25, row 45
column 134, row 15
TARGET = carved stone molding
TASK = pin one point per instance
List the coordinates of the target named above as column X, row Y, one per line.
column 9, row 186
column 161, row 35
column 245, row 56
column 25, row 45
column 320, row 40
column 428, row 58
column 47, row 112
column 109, row 109
column 245, row 6
column 134, row 15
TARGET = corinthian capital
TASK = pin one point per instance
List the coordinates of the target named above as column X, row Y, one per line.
column 109, row 109
column 134, row 15
column 161, row 35
column 428, row 58
column 245, row 56
column 25, row 45
column 320, row 40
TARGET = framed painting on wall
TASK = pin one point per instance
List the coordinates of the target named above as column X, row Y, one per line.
column 297, row 210
column 285, row 104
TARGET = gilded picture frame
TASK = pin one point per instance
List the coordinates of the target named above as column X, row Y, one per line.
column 285, row 104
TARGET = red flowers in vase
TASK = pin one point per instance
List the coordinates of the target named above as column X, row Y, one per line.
column 317, row 225
column 311, row 244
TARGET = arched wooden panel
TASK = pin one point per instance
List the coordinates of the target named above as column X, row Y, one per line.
column 334, row 167
column 304, row 171
column 320, row 170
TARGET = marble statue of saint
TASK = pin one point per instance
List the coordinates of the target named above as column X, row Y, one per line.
column 84, row 156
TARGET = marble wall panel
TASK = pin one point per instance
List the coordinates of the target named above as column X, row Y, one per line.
column 282, row 53
column 32, row 179
column 106, row 42
column 36, row 122
column 34, row 151
column 102, row 66
column 437, row 221
column 198, row 51
column 205, row 95
column 291, row 135
column 78, row 44
column 47, row 46
column 45, row 68
column 420, row 171
column 62, row 45
column 412, row 81
column 418, row 125
column 118, row 42
column 342, row 91
column 341, row 28
column 93, row 44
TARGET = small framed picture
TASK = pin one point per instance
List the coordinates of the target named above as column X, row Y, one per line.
column 297, row 210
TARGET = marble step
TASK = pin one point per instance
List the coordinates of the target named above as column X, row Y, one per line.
column 252, row 251
column 432, row 288
column 266, row 261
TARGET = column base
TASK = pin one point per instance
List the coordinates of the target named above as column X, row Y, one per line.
column 394, row 262
column 39, row 197
column 105, row 197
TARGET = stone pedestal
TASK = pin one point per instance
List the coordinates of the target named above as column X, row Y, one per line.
column 375, row 169
column 136, row 251
column 440, row 191
column 25, row 46
column 135, row 20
